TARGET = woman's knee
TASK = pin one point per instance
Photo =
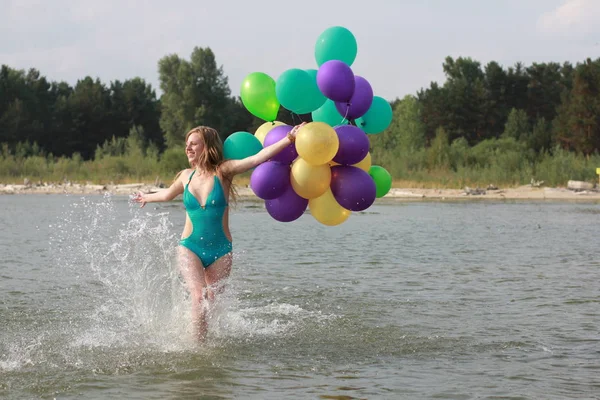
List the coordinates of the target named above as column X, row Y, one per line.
column 199, row 292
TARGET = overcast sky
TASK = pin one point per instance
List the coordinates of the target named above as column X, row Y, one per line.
column 401, row 43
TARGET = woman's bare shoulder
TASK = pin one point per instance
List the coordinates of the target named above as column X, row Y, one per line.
column 224, row 168
column 184, row 175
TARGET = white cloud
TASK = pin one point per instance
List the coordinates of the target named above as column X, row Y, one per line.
column 572, row 18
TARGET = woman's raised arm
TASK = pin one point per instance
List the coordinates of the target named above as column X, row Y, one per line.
column 234, row 167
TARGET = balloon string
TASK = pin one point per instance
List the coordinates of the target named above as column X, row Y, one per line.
column 294, row 119
column 345, row 115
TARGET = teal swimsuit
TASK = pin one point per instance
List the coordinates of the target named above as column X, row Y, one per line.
column 207, row 240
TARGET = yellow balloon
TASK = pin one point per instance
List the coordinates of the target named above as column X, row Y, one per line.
column 365, row 163
column 261, row 131
column 317, row 143
column 310, row 181
column 327, row 210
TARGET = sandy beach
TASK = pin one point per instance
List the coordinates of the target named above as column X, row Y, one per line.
column 525, row 192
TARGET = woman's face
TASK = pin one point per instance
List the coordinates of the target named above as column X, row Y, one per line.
column 194, row 147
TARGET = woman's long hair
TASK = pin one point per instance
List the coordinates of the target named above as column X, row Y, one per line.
column 212, row 155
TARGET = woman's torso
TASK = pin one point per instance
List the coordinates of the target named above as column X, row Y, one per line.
column 206, row 197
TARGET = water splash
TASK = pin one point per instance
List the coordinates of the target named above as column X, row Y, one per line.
column 119, row 302
column 18, row 355
column 128, row 272
column 126, row 262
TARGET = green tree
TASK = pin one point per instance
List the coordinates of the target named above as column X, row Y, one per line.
column 517, row 87
column 439, row 154
column 25, row 105
column 90, row 110
column 466, row 99
column 434, row 109
column 407, row 128
column 134, row 104
column 544, row 90
column 496, row 108
column 195, row 93
column 517, row 125
column 577, row 125
column 62, row 120
column 239, row 119
column 458, row 107
column 541, row 136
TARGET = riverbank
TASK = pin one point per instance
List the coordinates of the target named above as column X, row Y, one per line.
column 525, row 192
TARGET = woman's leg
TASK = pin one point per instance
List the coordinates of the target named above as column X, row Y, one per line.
column 195, row 279
column 216, row 274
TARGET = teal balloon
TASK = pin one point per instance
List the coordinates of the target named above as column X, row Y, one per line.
column 319, row 98
column 313, row 74
column 329, row 114
column 298, row 92
column 240, row 145
column 336, row 43
column 377, row 118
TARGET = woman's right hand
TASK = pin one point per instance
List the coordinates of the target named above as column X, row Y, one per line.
column 139, row 198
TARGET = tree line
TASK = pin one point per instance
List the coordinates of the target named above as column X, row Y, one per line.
column 544, row 104
column 542, row 108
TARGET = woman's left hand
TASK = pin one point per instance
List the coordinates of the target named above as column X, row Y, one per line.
column 295, row 129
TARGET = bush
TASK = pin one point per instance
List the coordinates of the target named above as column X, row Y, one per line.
column 173, row 160
column 558, row 168
column 35, row 167
column 502, row 161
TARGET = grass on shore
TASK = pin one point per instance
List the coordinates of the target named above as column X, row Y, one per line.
column 501, row 162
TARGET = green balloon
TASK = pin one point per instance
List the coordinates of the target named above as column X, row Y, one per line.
column 329, row 114
column 336, row 43
column 259, row 97
column 382, row 179
column 377, row 118
column 298, row 92
column 240, row 145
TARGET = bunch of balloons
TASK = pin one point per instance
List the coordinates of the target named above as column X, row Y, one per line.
column 328, row 169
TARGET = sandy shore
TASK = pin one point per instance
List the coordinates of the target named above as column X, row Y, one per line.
column 526, row 192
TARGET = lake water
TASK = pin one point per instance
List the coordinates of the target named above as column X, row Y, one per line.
column 409, row 300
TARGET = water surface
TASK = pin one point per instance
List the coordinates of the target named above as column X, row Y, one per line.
column 444, row 300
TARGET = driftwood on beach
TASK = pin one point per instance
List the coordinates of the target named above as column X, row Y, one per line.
column 474, row 192
column 579, row 185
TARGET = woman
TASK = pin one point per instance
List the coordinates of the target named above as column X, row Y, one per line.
column 205, row 247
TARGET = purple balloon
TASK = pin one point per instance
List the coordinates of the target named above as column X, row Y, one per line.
column 288, row 154
column 352, row 188
column 336, row 80
column 270, row 179
column 360, row 102
column 354, row 144
column 288, row 207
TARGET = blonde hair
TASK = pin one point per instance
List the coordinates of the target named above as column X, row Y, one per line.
column 212, row 155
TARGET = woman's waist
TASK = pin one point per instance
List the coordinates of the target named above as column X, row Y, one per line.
column 206, row 235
